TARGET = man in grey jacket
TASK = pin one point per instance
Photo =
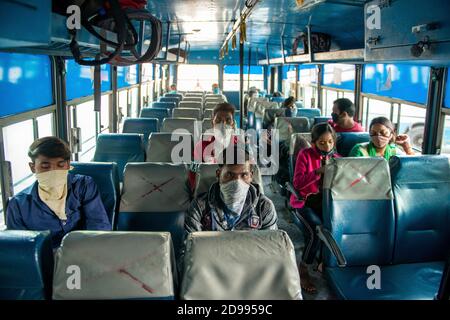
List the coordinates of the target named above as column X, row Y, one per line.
column 233, row 202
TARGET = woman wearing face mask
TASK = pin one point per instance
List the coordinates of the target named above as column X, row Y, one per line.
column 383, row 141
column 58, row 201
column 308, row 176
column 289, row 107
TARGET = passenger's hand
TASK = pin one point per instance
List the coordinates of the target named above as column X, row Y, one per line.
column 320, row 170
column 404, row 141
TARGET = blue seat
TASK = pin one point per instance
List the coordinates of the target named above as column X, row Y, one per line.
column 174, row 95
column 155, row 197
column 347, row 140
column 421, row 187
column 309, row 113
column 407, row 238
column 164, row 104
column 26, row 265
column 170, row 99
column 106, row 176
column 321, row 119
column 277, row 99
column 120, row 148
column 143, row 126
column 158, row 113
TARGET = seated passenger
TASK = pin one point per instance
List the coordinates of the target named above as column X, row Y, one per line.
column 383, row 141
column 343, row 113
column 289, row 107
column 57, row 201
column 173, row 88
column 223, row 127
column 233, row 202
column 276, row 94
column 215, row 89
column 308, row 179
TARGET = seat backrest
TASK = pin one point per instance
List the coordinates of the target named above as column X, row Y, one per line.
column 164, row 104
column 120, row 148
column 187, row 113
column 269, row 116
column 309, row 113
column 190, row 104
column 289, row 125
column 207, row 113
column 158, row 113
column 210, row 105
column 214, row 100
column 299, row 141
column 26, row 265
column 155, row 197
column 321, row 120
column 174, row 95
column 144, row 126
column 206, row 124
column 240, row 265
column 194, row 94
column 347, row 140
column 422, row 205
column 193, row 99
column 171, row 124
column 175, row 100
column 359, row 210
column 278, row 99
column 115, row 265
column 205, row 176
column 106, row 177
column 161, row 145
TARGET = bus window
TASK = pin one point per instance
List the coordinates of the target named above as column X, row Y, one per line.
column 231, row 78
column 134, row 103
column 412, row 122
column 86, row 121
column 328, row 97
column 197, row 77
column 445, row 146
column 123, row 106
column 17, row 138
column 45, row 125
column 373, row 108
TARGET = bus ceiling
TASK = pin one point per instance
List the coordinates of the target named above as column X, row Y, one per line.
column 272, row 32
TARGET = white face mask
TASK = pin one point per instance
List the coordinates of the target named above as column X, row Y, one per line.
column 234, row 194
column 294, row 111
column 52, row 189
column 223, row 134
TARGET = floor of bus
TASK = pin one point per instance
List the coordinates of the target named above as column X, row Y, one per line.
column 285, row 223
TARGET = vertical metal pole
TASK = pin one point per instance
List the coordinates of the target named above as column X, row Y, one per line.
column 60, row 97
column 434, row 103
column 249, row 67
column 113, row 115
column 319, row 90
column 241, row 83
column 358, row 85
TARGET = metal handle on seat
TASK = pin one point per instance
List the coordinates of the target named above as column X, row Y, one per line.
column 327, row 238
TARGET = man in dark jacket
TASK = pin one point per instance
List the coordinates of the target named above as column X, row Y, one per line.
column 233, row 202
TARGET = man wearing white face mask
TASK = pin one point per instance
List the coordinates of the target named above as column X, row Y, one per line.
column 219, row 137
column 233, row 202
column 58, row 201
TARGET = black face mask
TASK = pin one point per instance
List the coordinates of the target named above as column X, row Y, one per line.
column 335, row 117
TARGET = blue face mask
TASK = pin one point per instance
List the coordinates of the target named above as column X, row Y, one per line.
column 216, row 91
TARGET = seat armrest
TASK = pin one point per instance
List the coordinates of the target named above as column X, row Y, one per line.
column 327, row 238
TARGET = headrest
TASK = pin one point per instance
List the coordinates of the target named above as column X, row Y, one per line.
column 114, row 265
column 155, row 112
column 164, row 104
column 169, row 99
column 161, row 145
column 190, row 104
column 176, row 95
column 278, row 99
column 358, row 179
column 140, row 125
column 106, row 177
column 299, row 141
column 170, row 125
column 26, row 264
column 193, row 99
column 240, row 265
column 205, row 176
column 298, row 124
column 154, row 187
column 421, row 169
column 187, row 113
column 347, row 140
column 308, row 112
column 321, row 119
column 119, row 143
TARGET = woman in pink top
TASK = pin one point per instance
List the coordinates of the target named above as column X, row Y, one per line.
column 308, row 176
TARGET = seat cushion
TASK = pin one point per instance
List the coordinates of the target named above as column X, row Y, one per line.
column 415, row 281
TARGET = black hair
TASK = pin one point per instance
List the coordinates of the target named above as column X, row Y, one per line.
column 345, row 105
column 321, row 128
column 235, row 153
column 385, row 122
column 224, row 106
column 288, row 102
column 50, row 147
column 276, row 94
